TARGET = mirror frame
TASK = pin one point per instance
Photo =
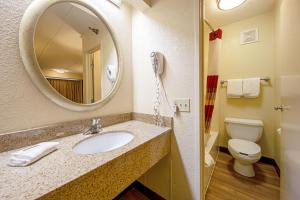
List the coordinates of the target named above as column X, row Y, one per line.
column 26, row 46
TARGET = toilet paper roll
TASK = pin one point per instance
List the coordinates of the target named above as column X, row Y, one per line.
column 209, row 161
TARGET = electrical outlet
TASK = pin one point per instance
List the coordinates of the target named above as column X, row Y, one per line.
column 183, row 105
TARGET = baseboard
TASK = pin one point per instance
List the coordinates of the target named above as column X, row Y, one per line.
column 224, row 150
column 263, row 159
column 141, row 188
column 270, row 161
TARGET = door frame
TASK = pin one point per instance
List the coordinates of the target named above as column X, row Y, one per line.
column 87, row 56
column 202, row 96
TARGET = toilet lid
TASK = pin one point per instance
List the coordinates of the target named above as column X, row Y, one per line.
column 244, row 147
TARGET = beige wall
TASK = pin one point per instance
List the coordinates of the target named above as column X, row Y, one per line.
column 22, row 105
column 170, row 27
column 252, row 60
column 109, row 57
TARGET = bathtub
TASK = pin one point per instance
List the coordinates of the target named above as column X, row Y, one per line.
column 211, row 146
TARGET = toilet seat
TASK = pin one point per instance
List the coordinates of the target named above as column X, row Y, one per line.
column 244, row 147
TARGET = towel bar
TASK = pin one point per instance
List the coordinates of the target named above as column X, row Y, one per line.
column 267, row 79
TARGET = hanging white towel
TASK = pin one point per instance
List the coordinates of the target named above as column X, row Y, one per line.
column 234, row 88
column 251, row 87
column 31, row 154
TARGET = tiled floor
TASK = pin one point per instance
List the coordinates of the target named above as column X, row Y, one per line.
column 226, row 184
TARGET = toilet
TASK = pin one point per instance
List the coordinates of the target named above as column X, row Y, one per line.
column 244, row 133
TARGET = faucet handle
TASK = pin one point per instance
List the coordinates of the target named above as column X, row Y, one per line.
column 96, row 125
column 95, row 121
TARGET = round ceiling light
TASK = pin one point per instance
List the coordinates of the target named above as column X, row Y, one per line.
column 229, row 4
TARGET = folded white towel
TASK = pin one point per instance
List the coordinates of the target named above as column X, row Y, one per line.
column 251, row 87
column 31, row 154
column 234, row 88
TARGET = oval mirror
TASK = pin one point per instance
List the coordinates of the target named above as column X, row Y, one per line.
column 71, row 54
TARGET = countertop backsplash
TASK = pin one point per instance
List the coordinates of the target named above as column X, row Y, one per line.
column 18, row 139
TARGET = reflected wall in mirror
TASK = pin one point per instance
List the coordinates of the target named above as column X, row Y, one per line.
column 76, row 52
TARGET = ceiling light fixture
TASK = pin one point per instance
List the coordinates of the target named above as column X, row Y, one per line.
column 229, row 4
column 60, row 71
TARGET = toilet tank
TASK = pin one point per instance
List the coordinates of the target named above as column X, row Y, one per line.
column 247, row 129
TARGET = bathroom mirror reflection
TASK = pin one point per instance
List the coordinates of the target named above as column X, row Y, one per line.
column 76, row 53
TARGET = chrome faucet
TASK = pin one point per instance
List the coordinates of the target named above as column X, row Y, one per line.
column 95, row 128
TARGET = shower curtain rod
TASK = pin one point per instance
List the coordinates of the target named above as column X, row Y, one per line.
column 210, row 26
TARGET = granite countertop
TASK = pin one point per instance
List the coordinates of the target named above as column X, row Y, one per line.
column 63, row 165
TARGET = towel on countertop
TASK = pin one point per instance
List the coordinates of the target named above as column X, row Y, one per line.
column 234, row 88
column 251, row 87
column 31, row 154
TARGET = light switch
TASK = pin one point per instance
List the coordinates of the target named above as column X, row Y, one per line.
column 183, row 105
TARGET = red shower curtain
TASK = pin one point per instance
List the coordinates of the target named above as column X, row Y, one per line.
column 212, row 76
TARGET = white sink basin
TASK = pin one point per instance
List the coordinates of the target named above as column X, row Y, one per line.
column 103, row 142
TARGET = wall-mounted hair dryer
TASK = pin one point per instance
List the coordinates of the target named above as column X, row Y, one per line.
column 157, row 60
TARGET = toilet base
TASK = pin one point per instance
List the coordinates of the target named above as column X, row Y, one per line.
column 243, row 169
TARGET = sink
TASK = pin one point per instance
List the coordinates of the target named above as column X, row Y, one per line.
column 103, row 142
